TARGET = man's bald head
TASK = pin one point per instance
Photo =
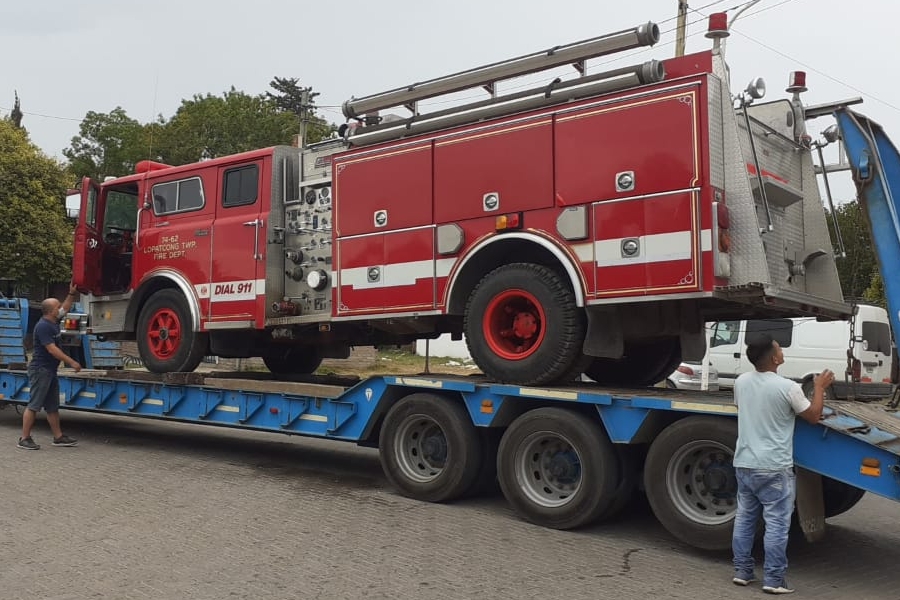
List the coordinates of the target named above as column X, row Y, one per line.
column 50, row 306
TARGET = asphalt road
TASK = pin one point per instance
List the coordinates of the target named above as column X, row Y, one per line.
column 148, row 509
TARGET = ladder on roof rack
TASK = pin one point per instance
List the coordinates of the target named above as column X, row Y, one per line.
column 488, row 76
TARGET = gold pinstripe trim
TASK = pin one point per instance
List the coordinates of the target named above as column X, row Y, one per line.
column 493, row 133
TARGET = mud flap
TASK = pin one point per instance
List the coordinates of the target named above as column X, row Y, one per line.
column 810, row 504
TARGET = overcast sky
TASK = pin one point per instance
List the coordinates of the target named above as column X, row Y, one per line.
column 67, row 57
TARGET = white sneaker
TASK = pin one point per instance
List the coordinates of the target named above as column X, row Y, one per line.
column 781, row 589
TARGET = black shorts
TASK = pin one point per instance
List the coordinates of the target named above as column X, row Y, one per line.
column 44, row 390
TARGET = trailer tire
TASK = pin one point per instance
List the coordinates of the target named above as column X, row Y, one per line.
column 839, row 497
column 166, row 340
column 809, row 389
column 644, row 363
column 690, row 481
column 294, row 360
column 557, row 468
column 486, row 483
column 628, row 479
column 429, row 448
column 522, row 325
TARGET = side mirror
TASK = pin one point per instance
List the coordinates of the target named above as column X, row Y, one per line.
column 73, row 204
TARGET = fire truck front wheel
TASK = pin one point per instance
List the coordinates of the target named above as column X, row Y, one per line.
column 429, row 448
column 522, row 325
column 166, row 341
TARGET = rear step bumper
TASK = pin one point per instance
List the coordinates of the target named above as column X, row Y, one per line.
column 769, row 298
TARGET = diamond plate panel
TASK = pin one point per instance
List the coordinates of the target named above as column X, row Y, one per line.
column 748, row 257
column 716, row 136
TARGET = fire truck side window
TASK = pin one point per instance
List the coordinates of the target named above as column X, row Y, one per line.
column 241, row 186
column 90, row 217
column 177, row 196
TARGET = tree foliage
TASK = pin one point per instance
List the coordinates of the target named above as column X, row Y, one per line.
column 858, row 271
column 35, row 237
column 108, row 144
column 204, row 126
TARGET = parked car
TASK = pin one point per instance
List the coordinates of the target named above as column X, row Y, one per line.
column 689, row 376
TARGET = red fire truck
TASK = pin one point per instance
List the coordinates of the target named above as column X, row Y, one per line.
column 591, row 224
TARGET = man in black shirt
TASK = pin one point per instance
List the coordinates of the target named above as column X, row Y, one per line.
column 42, row 379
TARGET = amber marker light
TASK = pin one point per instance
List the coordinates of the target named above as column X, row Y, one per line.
column 509, row 221
column 871, row 467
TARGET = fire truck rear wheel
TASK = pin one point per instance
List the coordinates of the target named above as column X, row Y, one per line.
column 558, row 468
column 296, row 360
column 522, row 325
column 690, row 480
column 429, row 448
column 166, row 340
column 645, row 363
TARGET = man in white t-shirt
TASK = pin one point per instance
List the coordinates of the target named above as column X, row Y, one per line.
column 764, row 459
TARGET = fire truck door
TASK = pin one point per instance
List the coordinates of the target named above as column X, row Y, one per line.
column 237, row 282
column 86, row 258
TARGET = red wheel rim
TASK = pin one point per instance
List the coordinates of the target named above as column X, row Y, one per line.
column 164, row 333
column 513, row 324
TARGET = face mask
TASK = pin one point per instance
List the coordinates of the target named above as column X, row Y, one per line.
column 60, row 315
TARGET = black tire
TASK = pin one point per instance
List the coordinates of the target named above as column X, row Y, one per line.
column 839, row 497
column 557, row 468
column 166, row 340
column 628, row 479
column 644, row 363
column 486, row 483
column 429, row 448
column 522, row 325
column 294, row 360
column 690, row 481
column 809, row 388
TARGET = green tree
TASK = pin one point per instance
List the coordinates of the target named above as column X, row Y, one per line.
column 213, row 126
column 875, row 292
column 35, row 237
column 290, row 97
column 108, row 144
column 858, row 267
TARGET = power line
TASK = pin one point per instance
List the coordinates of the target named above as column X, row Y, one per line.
column 34, row 114
column 800, row 62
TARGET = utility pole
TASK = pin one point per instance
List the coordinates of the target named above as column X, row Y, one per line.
column 306, row 97
column 682, row 26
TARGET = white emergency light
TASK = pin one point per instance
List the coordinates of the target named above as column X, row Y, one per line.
column 756, row 89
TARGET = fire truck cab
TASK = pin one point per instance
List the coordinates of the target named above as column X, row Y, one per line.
column 589, row 225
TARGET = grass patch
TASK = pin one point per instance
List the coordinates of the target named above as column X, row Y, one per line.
column 401, row 362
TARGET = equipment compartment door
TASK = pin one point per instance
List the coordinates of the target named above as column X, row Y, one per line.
column 386, row 273
column 647, row 246
column 237, row 282
column 87, row 271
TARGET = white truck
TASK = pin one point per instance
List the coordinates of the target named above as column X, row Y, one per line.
column 810, row 346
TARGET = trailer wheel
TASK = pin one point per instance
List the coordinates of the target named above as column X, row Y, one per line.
column 165, row 339
column 299, row 360
column 809, row 389
column 644, row 363
column 839, row 497
column 486, row 483
column 690, row 481
column 429, row 448
column 557, row 468
column 628, row 479
column 522, row 325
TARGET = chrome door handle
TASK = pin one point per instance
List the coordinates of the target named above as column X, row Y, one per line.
column 257, row 224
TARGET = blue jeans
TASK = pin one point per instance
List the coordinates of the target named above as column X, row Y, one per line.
column 770, row 493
